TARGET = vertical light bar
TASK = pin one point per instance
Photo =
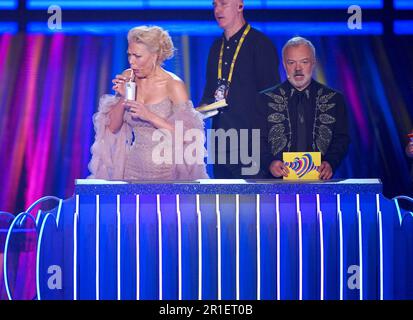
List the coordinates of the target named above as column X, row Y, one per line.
column 97, row 246
column 340, row 232
column 118, row 246
column 380, row 223
column 17, row 220
column 218, row 213
column 38, row 252
column 198, row 211
column 360, row 232
column 137, row 249
column 178, row 213
column 237, row 247
column 320, row 220
column 258, row 248
column 38, row 215
column 300, row 250
column 277, row 211
column 158, row 209
column 59, row 211
column 75, row 225
column 186, row 59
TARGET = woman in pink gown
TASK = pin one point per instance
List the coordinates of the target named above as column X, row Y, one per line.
column 159, row 135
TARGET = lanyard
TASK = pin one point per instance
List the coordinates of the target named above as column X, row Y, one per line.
column 221, row 54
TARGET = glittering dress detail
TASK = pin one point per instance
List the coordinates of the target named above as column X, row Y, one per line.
column 132, row 153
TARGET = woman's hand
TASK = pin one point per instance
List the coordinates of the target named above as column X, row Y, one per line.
column 119, row 84
column 138, row 110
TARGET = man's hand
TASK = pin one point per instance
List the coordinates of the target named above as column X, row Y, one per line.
column 278, row 169
column 326, row 172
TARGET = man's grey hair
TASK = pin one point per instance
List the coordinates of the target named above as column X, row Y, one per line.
column 298, row 41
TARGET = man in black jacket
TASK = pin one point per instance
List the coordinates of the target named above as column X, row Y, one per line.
column 304, row 115
column 241, row 63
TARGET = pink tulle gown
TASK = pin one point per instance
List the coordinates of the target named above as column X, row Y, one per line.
column 131, row 154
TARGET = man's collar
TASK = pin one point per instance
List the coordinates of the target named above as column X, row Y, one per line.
column 237, row 35
column 293, row 90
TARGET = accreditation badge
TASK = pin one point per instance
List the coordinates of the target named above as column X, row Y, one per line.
column 221, row 92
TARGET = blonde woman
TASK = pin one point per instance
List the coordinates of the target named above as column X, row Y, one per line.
column 135, row 139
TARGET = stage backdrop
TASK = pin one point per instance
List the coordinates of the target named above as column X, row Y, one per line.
column 50, row 86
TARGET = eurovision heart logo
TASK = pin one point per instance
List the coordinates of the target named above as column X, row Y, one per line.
column 302, row 165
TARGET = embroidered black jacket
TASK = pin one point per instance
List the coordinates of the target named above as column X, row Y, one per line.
column 325, row 116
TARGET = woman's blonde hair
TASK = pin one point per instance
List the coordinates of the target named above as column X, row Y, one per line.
column 155, row 38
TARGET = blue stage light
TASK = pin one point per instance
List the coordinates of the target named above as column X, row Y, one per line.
column 211, row 28
column 318, row 28
column 8, row 27
column 403, row 4
column 79, row 4
column 180, row 4
column 321, row 4
column 8, row 4
column 403, row 27
column 174, row 27
column 201, row 4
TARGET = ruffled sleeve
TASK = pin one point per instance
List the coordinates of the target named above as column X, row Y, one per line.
column 190, row 126
column 109, row 149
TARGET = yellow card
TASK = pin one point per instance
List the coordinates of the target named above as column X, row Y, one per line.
column 302, row 165
column 213, row 106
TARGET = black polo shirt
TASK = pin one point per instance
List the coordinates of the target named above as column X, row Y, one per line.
column 256, row 69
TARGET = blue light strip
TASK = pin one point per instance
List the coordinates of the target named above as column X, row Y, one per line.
column 403, row 27
column 8, row 4
column 8, row 27
column 174, row 27
column 321, row 4
column 184, row 4
column 318, row 28
column 73, row 4
column 403, row 4
column 211, row 28
column 202, row 4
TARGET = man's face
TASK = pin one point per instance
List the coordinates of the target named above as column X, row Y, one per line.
column 226, row 11
column 299, row 63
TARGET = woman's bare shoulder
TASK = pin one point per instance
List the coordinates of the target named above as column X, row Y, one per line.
column 177, row 90
column 172, row 76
